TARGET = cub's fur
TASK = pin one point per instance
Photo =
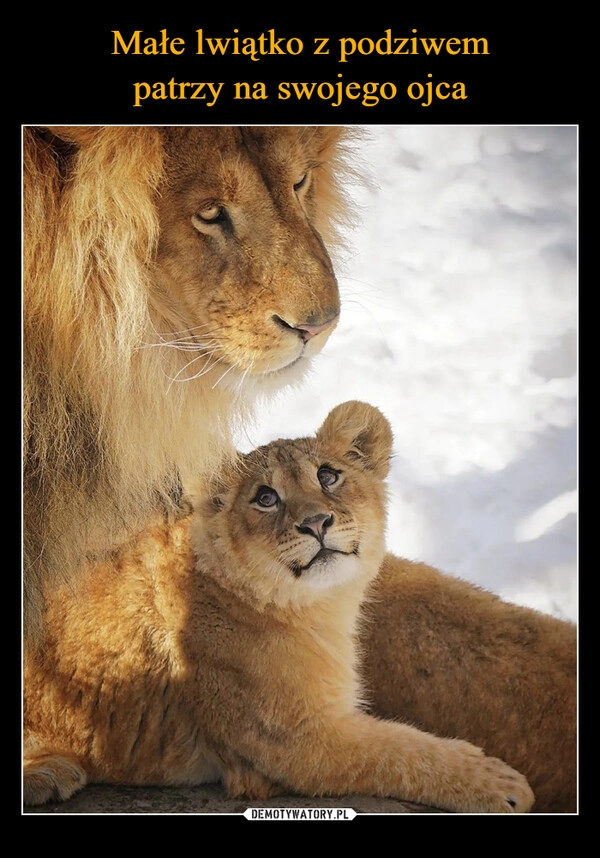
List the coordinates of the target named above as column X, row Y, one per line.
column 231, row 656
column 170, row 276
column 458, row 661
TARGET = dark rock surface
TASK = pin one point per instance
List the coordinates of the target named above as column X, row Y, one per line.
column 210, row 799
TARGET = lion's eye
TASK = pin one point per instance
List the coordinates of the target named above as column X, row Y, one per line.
column 327, row 476
column 265, row 497
column 212, row 214
column 302, row 183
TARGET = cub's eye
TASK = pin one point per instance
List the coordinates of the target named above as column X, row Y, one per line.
column 266, row 497
column 327, row 476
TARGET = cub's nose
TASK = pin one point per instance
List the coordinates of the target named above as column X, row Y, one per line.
column 316, row 524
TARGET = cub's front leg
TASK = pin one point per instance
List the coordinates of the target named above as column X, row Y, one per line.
column 49, row 775
column 361, row 755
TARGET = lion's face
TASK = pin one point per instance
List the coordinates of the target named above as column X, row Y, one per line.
column 300, row 517
column 243, row 281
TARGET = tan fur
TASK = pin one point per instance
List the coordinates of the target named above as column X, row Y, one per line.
column 241, row 666
column 458, row 661
column 167, row 275
column 106, row 428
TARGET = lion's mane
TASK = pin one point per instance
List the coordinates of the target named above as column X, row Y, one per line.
column 107, row 433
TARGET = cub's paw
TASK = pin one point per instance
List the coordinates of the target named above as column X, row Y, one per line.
column 51, row 777
column 492, row 786
column 250, row 784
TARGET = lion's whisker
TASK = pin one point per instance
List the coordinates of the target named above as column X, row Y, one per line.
column 242, row 378
column 183, row 347
column 207, row 366
column 233, row 365
column 186, row 339
column 187, row 331
column 191, row 341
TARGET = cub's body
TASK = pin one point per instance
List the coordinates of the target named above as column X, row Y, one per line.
column 223, row 647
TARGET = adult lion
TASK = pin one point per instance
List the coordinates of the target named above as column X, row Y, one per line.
column 171, row 276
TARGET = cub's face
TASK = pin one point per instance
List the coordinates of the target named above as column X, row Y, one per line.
column 307, row 515
column 243, row 282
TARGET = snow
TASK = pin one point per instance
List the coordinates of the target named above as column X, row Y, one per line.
column 459, row 321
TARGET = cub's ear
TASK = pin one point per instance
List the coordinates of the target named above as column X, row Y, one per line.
column 361, row 434
column 210, row 496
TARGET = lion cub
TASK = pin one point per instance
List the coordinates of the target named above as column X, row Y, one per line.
column 229, row 654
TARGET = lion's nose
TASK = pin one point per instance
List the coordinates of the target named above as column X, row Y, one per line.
column 316, row 524
column 307, row 331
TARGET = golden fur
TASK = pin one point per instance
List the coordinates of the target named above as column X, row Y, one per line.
column 453, row 659
column 170, row 275
column 238, row 663
column 109, row 423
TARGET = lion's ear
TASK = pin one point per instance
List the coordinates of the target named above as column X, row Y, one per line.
column 80, row 135
column 361, row 434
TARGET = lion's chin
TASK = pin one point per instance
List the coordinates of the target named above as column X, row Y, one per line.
column 297, row 367
column 270, row 381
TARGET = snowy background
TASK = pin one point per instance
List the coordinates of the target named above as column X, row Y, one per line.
column 459, row 321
